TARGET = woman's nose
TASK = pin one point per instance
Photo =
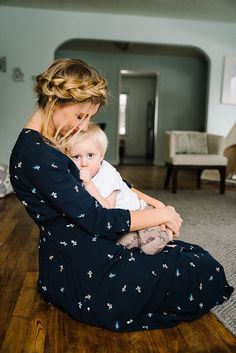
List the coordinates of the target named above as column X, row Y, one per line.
column 84, row 125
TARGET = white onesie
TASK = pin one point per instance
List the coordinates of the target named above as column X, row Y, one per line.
column 108, row 179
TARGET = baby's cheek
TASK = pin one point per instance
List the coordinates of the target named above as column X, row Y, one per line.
column 77, row 163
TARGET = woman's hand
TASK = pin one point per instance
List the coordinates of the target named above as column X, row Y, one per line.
column 175, row 221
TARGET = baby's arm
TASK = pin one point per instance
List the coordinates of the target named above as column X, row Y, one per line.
column 108, row 202
column 148, row 199
column 154, row 203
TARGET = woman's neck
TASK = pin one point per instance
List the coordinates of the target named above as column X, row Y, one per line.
column 35, row 121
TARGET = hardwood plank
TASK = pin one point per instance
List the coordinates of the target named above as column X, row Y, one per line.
column 167, row 340
column 67, row 335
column 17, row 329
column 12, row 272
column 7, row 229
column 9, row 211
column 140, row 342
column 36, row 330
column 56, row 335
column 200, row 338
column 226, row 336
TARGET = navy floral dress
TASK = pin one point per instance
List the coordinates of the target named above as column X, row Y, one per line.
column 82, row 269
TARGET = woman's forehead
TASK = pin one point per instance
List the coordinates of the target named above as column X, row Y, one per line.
column 87, row 109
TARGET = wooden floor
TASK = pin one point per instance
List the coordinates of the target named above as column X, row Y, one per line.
column 29, row 325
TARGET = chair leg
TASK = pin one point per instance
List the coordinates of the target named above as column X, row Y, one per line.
column 168, row 176
column 174, row 180
column 199, row 173
column 222, row 171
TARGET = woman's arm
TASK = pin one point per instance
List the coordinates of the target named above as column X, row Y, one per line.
column 153, row 217
column 56, row 184
column 148, row 199
column 151, row 202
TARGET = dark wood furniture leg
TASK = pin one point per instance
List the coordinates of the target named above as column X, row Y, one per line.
column 168, row 175
column 172, row 170
column 199, row 173
column 222, row 171
column 175, row 170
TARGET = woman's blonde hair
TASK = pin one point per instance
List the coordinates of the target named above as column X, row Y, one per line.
column 93, row 131
column 67, row 81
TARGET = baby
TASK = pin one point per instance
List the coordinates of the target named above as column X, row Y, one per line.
column 105, row 184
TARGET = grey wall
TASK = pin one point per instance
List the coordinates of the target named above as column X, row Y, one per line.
column 29, row 38
column 182, row 91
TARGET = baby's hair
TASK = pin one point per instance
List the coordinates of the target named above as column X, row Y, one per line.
column 93, row 131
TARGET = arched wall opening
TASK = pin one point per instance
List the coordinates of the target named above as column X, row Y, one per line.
column 181, row 91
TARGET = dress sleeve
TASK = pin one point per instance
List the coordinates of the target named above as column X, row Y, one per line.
column 51, row 176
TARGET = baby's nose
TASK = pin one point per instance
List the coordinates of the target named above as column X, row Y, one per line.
column 84, row 162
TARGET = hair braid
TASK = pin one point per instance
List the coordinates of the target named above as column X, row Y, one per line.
column 71, row 80
column 67, row 81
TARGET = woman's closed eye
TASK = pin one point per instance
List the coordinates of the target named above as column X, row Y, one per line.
column 82, row 116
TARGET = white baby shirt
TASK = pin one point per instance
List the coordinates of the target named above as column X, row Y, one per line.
column 108, row 179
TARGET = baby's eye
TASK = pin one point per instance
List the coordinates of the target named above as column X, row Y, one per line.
column 90, row 155
column 76, row 157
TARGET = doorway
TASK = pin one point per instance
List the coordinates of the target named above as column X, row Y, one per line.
column 138, row 113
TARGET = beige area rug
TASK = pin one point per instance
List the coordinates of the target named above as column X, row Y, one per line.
column 213, row 176
column 210, row 221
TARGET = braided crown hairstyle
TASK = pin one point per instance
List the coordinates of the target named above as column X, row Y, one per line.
column 68, row 81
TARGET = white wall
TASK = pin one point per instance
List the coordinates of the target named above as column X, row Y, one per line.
column 29, row 37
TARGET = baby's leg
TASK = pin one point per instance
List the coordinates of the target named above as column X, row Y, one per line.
column 130, row 240
column 154, row 239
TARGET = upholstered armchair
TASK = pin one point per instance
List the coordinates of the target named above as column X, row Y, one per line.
column 194, row 150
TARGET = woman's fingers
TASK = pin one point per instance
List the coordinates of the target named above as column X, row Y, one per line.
column 175, row 221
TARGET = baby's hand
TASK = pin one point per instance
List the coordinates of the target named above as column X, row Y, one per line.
column 85, row 176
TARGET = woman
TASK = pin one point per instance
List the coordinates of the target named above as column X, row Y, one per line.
column 82, row 269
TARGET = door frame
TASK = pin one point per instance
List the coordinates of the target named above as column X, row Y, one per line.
column 140, row 73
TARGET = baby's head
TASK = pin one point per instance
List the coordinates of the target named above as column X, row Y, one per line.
column 87, row 149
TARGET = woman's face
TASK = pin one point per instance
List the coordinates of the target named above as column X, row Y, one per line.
column 73, row 117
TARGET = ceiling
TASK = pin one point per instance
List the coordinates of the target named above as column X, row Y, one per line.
column 205, row 10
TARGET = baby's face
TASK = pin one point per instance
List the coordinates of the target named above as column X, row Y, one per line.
column 86, row 154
